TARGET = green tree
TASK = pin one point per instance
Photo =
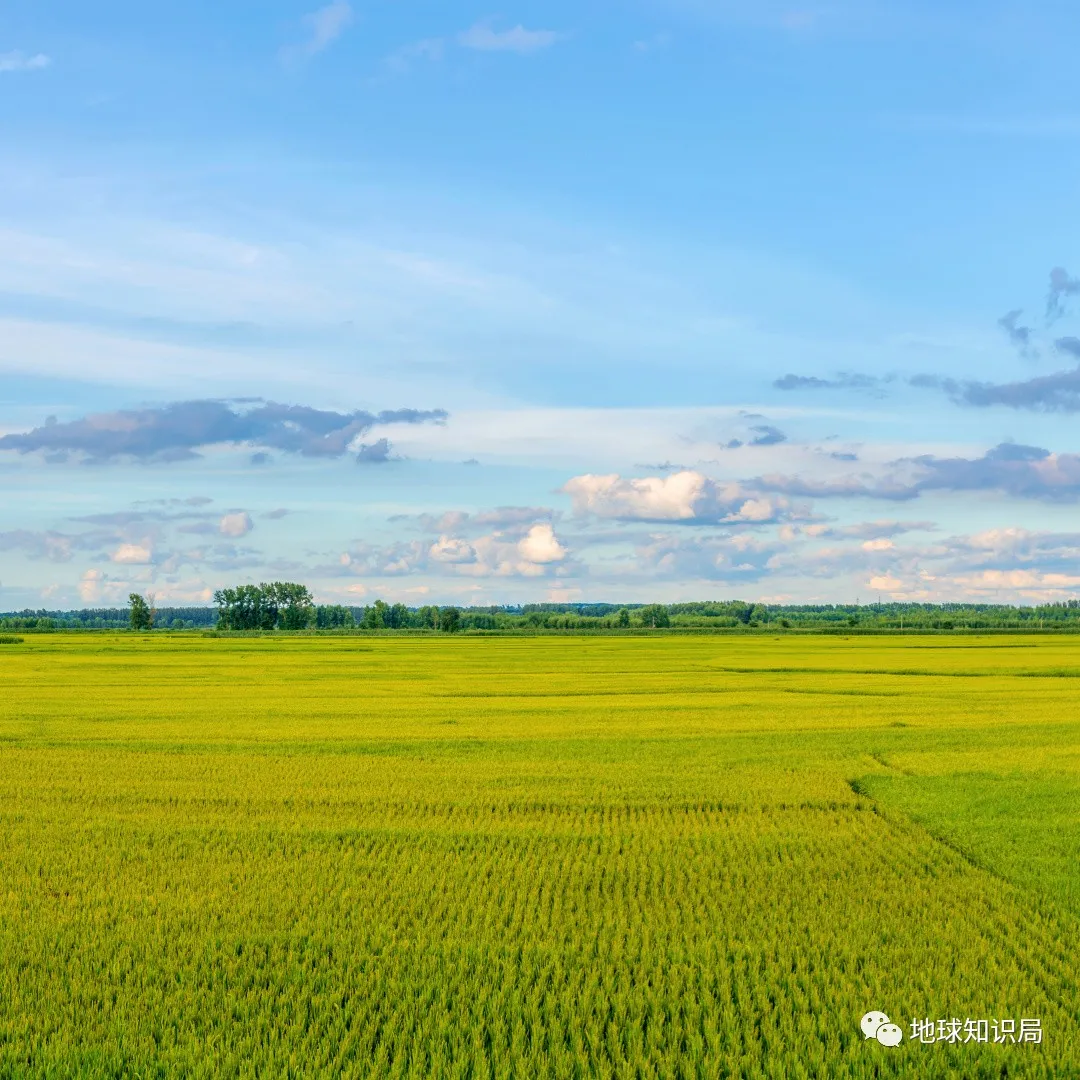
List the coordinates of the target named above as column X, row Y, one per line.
column 450, row 619
column 140, row 617
column 295, row 608
column 377, row 617
column 279, row 604
column 623, row 618
column 334, row 617
column 655, row 616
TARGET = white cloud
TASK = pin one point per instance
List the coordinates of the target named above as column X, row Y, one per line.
column 1002, row 539
column 90, row 586
column 759, row 510
column 541, row 546
column 325, row 25
column 452, row 551
column 18, row 61
column 886, row 583
column 686, row 496
column 182, row 593
column 133, row 554
column 96, row 587
column 563, row 596
column 430, row 49
column 499, row 555
column 236, row 524
column 483, row 37
column 1027, row 582
column 880, row 544
column 679, row 497
column 528, row 551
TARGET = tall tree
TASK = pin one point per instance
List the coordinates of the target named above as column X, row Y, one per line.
column 654, row 615
column 377, row 617
column 295, row 608
column 277, row 605
column 140, row 617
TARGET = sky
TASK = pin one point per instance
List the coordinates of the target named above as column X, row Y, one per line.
column 612, row 301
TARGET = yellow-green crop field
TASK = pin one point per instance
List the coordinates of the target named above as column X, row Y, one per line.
column 513, row 857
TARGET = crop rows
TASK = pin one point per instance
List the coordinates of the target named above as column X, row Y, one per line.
column 697, row 905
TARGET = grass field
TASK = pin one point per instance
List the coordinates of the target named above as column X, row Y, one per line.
column 568, row 857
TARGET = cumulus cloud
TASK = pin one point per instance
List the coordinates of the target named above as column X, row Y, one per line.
column 177, row 431
column 91, row 586
column 19, row 61
column 133, row 554
column 97, row 587
column 534, row 551
column 364, row 560
column 541, row 546
column 235, row 524
column 537, row 554
column 483, row 37
column 452, row 550
column 688, row 497
column 885, row 583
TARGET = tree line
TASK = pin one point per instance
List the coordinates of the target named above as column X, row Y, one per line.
column 289, row 606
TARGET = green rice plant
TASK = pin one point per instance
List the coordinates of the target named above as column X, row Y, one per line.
column 496, row 857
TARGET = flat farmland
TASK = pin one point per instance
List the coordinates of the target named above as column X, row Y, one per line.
column 657, row 856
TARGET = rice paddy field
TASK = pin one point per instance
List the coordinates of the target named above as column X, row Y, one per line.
column 536, row 857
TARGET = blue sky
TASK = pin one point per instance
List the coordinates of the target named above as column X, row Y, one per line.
column 656, row 300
